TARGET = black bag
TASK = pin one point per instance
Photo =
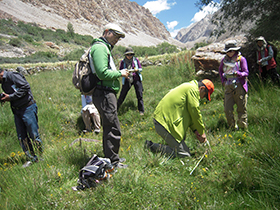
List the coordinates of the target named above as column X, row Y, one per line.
column 96, row 170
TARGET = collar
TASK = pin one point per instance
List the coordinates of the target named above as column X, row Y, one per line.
column 105, row 40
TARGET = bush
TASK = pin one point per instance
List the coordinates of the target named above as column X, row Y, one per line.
column 15, row 42
column 28, row 38
column 74, row 55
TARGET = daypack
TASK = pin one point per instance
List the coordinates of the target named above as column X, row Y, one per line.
column 84, row 77
column 96, row 170
column 275, row 50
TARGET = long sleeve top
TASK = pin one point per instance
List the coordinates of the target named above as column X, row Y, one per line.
column 179, row 110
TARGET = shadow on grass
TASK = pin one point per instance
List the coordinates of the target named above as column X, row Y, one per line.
column 126, row 106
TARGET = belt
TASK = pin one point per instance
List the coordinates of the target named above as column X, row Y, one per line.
column 101, row 87
column 25, row 105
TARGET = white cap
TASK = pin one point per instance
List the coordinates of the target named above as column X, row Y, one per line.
column 117, row 29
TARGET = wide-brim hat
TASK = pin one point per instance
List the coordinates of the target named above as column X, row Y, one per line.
column 231, row 45
column 114, row 27
column 260, row 38
column 210, row 88
column 129, row 50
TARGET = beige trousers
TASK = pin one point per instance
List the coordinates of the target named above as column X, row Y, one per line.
column 90, row 114
column 236, row 95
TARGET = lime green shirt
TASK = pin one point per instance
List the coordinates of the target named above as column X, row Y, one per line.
column 179, row 110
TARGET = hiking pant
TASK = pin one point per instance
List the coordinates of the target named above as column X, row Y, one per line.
column 236, row 95
column 106, row 103
column 173, row 147
column 26, row 121
column 272, row 73
column 138, row 91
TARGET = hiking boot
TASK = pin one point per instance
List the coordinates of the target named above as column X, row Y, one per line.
column 148, row 144
column 117, row 165
column 122, row 160
column 96, row 131
column 27, row 164
column 120, row 165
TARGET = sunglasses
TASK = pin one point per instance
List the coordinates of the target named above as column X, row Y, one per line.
column 231, row 51
column 115, row 34
column 129, row 54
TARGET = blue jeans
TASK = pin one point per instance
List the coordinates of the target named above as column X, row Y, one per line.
column 26, row 121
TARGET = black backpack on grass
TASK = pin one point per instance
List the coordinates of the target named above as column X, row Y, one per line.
column 96, row 170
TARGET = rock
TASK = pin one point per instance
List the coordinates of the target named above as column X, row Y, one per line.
column 207, row 59
column 21, row 70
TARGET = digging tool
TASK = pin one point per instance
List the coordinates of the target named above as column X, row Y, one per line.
column 206, row 151
column 199, row 161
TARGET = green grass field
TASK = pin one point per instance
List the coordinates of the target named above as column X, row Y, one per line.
column 241, row 172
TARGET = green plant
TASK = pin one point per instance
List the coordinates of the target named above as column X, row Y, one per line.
column 15, row 42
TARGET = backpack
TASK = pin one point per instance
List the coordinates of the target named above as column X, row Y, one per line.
column 96, row 170
column 275, row 50
column 84, row 77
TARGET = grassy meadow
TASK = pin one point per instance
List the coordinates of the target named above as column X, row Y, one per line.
column 241, row 172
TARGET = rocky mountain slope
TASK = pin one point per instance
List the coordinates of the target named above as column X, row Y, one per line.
column 89, row 17
column 202, row 30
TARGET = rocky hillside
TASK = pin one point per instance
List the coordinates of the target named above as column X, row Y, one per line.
column 89, row 17
column 202, row 31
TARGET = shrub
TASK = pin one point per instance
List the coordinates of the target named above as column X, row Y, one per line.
column 15, row 42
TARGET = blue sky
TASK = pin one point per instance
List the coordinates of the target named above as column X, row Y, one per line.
column 176, row 14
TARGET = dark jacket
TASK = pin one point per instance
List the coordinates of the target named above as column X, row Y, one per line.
column 18, row 89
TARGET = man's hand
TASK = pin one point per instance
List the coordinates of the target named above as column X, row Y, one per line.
column 5, row 98
column 125, row 73
column 201, row 138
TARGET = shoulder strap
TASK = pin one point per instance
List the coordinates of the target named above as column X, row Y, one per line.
column 135, row 62
column 90, row 59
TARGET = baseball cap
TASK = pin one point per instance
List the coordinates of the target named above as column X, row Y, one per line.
column 210, row 88
column 114, row 27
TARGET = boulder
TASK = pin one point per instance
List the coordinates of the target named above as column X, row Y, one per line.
column 208, row 58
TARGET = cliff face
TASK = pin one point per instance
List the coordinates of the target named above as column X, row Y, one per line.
column 89, row 17
column 205, row 29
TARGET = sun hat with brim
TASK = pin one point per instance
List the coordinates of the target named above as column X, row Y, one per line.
column 114, row 27
column 129, row 50
column 231, row 45
column 261, row 38
column 210, row 88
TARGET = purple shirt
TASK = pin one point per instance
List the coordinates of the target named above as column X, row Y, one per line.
column 242, row 72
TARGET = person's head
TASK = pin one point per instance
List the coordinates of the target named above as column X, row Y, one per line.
column 112, row 33
column 1, row 75
column 260, row 41
column 206, row 88
column 129, row 53
column 231, row 48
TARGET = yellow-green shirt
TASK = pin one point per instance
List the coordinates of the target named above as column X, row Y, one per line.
column 179, row 109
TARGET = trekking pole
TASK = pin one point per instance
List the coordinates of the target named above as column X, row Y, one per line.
column 199, row 161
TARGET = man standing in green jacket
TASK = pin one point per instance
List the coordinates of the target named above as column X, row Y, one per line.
column 104, row 96
column 178, row 111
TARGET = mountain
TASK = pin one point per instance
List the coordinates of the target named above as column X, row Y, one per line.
column 206, row 30
column 88, row 18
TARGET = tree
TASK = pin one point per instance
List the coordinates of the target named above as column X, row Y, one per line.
column 265, row 12
column 70, row 29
